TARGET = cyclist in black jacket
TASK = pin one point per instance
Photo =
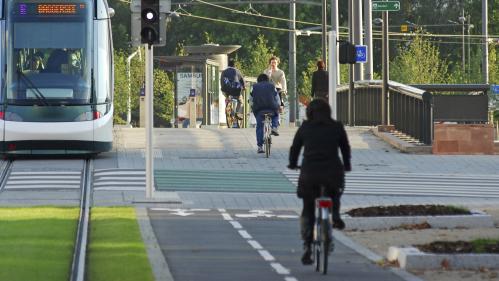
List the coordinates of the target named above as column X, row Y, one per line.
column 264, row 99
column 321, row 136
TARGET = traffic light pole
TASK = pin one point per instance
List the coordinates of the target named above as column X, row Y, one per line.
column 386, row 71
column 149, row 122
column 332, row 73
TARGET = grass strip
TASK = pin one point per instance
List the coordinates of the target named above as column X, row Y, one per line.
column 486, row 246
column 36, row 243
column 116, row 251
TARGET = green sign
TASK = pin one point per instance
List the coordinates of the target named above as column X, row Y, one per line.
column 382, row 6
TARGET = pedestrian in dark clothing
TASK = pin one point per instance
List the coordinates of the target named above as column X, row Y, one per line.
column 320, row 82
column 321, row 136
column 264, row 99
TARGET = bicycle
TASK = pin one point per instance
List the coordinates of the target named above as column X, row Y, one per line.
column 267, row 136
column 231, row 112
column 322, row 244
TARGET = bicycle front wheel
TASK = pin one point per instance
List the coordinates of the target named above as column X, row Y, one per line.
column 267, row 146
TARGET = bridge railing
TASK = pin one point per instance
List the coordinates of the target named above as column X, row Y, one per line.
column 409, row 108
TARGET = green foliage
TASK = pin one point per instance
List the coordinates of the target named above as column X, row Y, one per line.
column 36, row 243
column 120, row 24
column 120, row 88
column 163, row 91
column 259, row 54
column 163, row 99
column 480, row 246
column 116, row 251
column 305, row 87
column 419, row 63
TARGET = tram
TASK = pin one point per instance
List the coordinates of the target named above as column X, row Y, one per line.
column 56, row 94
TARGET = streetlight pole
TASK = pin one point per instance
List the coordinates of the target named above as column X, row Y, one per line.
column 292, row 65
column 470, row 26
column 462, row 20
column 386, row 70
column 324, row 31
column 129, row 102
column 485, row 33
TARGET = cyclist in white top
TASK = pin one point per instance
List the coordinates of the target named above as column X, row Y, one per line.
column 277, row 77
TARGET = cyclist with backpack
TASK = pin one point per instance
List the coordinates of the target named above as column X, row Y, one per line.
column 232, row 82
column 321, row 137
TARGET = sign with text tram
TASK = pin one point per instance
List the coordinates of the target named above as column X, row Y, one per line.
column 384, row 6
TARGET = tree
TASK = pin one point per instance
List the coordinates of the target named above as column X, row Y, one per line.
column 120, row 88
column 419, row 63
column 163, row 99
column 257, row 60
column 163, row 91
column 305, row 87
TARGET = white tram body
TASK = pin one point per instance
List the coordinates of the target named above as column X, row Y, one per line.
column 56, row 93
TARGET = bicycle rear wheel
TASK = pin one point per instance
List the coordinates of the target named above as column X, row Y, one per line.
column 324, row 246
column 316, row 250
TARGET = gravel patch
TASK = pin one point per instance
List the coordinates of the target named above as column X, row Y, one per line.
column 380, row 241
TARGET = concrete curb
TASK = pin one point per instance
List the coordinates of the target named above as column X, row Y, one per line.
column 375, row 258
column 158, row 263
column 401, row 145
column 411, row 258
column 477, row 219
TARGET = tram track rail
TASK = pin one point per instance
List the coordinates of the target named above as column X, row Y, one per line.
column 79, row 255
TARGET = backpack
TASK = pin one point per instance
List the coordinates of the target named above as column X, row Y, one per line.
column 231, row 86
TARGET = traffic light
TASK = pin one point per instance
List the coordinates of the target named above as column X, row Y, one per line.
column 348, row 54
column 150, row 22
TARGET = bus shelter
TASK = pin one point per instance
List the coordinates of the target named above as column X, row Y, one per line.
column 196, row 89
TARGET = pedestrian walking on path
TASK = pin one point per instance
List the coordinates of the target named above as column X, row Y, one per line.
column 320, row 82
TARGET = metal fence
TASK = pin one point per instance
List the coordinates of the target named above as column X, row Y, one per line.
column 409, row 108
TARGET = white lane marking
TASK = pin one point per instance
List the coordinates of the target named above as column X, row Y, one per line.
column 236, row 224
column 264, row 214
column 255, row 244
column 279, row 268
column 226, row 216
column 266, row 255
column 288, row 216
column 245, row 234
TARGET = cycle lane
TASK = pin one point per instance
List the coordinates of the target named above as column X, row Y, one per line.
column 199, row 245
column 221, row 244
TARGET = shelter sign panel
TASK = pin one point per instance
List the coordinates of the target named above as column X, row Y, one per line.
column 189, row 83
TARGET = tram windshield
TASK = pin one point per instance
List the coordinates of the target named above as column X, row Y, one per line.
column 49, row 53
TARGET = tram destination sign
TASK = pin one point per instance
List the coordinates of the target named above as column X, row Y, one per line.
column 50, row 9
column 384, row 6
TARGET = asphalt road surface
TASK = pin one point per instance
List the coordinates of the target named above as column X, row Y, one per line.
column 247, row 245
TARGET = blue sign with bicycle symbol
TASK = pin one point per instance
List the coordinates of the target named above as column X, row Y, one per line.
column 361, row 53
column 494, row 89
